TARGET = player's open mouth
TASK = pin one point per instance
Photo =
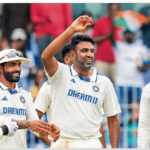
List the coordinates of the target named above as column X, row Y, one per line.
column 89, row 61
column 16, row 74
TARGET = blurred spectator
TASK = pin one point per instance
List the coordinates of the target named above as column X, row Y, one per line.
column 18, row 38
column 38, row 80
column 146, row 27
column 103, row 34
column 131, row 124
column 15, row 16
column 131, row 61
column 50, row 20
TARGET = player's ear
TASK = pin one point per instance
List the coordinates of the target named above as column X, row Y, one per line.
column 1, row 68
column 73, row 55
column 66, row 60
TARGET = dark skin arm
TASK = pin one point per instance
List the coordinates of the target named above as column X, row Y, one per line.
column 101, row 38
column 102, row 138
column 43, row 138
column 40, row 114
column 110, row 36
column 114, row 131
column 41, row 127
column 54, row 135
column 143, row 68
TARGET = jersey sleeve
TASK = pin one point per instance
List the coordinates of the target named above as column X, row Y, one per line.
column 56, row 75
column 43, row 100
column 111, row 106
column 31, row 112
column 144, row 120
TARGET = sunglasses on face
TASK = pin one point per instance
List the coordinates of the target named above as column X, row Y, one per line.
column 12, row 54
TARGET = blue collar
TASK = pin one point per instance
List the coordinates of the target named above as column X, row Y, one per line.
column 85, row 79
column 3, row 87
column 92, row 78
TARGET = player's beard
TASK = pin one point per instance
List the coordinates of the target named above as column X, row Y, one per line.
column 9, row 76
column 82, row 63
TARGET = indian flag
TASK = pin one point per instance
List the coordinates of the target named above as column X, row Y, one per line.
column 130, row 20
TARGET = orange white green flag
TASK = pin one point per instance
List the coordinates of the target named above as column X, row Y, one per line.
column 130, row 20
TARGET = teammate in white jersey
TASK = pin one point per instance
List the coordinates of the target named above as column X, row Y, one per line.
column 79, row 93
column 42, row 103
column 144, row 118
column 16, row 103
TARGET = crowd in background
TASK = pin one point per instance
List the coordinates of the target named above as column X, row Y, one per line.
column 121, row 55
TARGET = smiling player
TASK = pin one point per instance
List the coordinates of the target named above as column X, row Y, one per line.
column 79, row 93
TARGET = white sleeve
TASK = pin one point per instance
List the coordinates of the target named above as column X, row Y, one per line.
column 56, row 75
column 2, row 119
column 111, row 106
column 43, row 100
column 144, row 120
column 31, row 112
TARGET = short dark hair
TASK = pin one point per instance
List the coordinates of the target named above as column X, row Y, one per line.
column 65, row 50
column 80, row 38
column 109, row 5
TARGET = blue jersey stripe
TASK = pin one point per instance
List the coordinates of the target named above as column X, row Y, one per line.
column 70, row 70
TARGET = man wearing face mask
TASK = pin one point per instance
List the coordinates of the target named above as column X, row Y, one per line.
column 132, row 60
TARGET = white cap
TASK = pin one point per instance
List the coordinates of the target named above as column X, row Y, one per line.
column 4, row 53
column 18, row 33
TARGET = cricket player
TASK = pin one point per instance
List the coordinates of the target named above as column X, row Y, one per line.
column 79, row 92
column 16, row 104
column 144, row 118
column 43, row 101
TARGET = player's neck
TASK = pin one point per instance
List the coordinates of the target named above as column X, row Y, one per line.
column 86, row 73
column 7, row 83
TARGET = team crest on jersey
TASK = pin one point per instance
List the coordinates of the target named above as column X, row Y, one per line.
column 95, row 88
column 22, row 99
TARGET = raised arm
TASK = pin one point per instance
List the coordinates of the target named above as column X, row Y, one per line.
column 50, row 63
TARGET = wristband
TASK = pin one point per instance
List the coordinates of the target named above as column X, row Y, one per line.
column 5, row 129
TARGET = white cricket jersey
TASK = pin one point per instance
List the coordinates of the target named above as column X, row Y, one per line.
column 43, row 100
column 144, row 119
column 128, row 57
column 17, row 104
column 77, row 102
